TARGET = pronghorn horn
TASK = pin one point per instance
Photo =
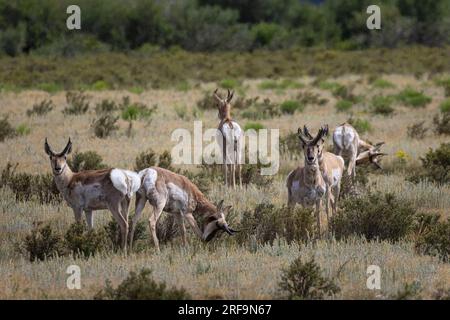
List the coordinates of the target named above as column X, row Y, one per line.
column 216, row 95
column 300, row 136
column 67, row 149
column 48, row 150
column 220, row 205
column 230, row 96
column 228, row 230
column 306, row 132
column 322, row 132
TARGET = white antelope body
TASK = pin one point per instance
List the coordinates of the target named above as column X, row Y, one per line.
column 229, row 138
column 94, row 189
column 347, row 143
column 175, row 194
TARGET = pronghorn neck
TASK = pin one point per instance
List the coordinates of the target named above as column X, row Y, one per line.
column 205, row 207
column 312, row 175
column 63, row 180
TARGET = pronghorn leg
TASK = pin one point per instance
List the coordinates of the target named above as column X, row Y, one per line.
column 240, row 175
column 190, row 218
column 233, row 174
column 180, row 220
column 154, row 217
column 318, row 209
column 89, row 219
column 140, row 205
column 123, row 224
column 125, row 209
column 78, row 214
column 336, row 192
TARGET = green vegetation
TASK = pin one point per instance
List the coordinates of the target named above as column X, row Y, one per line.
column 382, row 84
column 413, row 98
column 141, row 286
column 382, row 105
column 41, row 108
column 344, row 105
column 304, row 281
column 445, row 106
column 291, row 106
column 253, row 126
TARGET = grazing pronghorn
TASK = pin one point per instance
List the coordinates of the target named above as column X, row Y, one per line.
column 175, row 194
column 229, row 138
column 94, row 189
column 347, row 143
column 319, row 178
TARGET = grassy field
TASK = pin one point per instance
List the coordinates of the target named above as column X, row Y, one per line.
column 224, row 268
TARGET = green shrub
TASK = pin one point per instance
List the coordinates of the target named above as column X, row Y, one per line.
column 445, row 106
column 417, row 130
column 105, row 125
column 100, row 85
column 280, row 85
column 42, row 243
column 262, row 110
column 311, row 98
column 361, row 125
column 206, row 102
column 23, row 130
column 165, row 160
column 442, row 124
column 267, row 222
column 408, row 292
column 41, row 108
column 181, row 111
column 436, row 164
column 433, row 237
column 291, row 106
column 253, row 125
column 343, row 105
column 382, row 84
column 135, row 111
column 6, row 129
column 26, row 187
column 88, row 160
column 382, row 105
column 229, row 84
column 304, row 281
column 251, row 174
column 77, row 103
column 413, row 98
column 140, row 238
column 83, row 243
column 50, row 87
column 374, row 216
column 145, row 160
column 141, row 287
column 326, row 85
column 105, row 107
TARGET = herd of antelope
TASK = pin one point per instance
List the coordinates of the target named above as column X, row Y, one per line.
column 318, row 181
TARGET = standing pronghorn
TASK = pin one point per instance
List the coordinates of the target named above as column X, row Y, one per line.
column 175, row 194
column 94, row 189
column 229, row 138
column 319, row 178
column 347, row 143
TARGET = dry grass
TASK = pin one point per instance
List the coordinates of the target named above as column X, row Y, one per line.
column 222, row 269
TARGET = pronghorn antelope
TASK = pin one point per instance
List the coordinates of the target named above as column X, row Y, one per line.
column 175, row 194
column 347, row 143
column 94, row 189
column 229, row 138
column 319, row 178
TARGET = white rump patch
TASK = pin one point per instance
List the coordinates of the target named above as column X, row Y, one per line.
column 149, row 178
column 126, row 181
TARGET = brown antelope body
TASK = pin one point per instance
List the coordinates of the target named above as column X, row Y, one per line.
column 94, row 189
column 175, row 194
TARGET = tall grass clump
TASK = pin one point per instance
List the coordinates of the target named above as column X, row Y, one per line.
column 441, row 123
column 433, row 237
column 381, row 83
column 417, row 130
column 41, row 108
column 435, row 166
column 105, row 125
column 382, row 105
column 6, row 129
column 42, row 243
column 343, row 105
column 445, row 106
column 361, row 125
column 77, row 103
column 141, row 286
column 86, row 243
column 305, row 281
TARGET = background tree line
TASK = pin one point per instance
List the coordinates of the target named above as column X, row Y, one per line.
column 39, row 27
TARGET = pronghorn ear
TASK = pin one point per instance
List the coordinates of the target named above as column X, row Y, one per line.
column 216, row 96
column 67, row 149
column 47, row 148
column 226, row 210
column 220, row 205
column 300, row 136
